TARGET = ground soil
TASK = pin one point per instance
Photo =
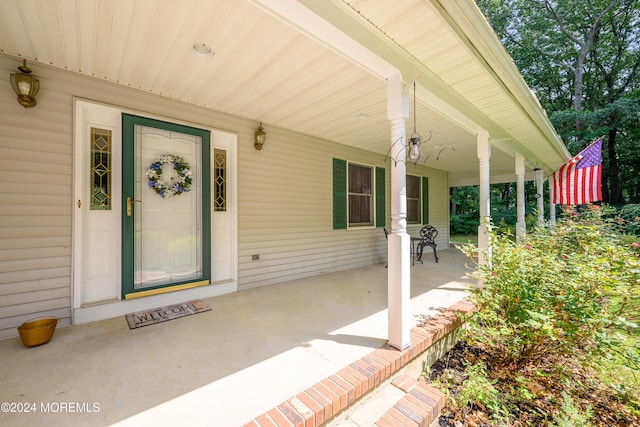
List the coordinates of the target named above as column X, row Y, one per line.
column 543, row 387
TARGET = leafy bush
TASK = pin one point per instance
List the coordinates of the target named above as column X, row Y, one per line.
column 555, row 337
column 478, row 389
column 464, row 223
column 571, row 290
column 571, row 415
column 629, row 219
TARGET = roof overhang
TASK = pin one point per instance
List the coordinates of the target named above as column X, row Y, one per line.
column 314, row 67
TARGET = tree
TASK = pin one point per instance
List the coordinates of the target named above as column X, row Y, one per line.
column 582, row 59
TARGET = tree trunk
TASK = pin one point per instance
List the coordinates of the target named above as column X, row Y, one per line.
column 453, row 207
column 578, row 94
column 614, row 174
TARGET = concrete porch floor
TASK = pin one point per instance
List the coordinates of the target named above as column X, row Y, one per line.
column 252, row 351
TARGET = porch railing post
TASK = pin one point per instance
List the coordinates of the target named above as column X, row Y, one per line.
column 552, row 206
column 521, row 227
column 398, row 273
column 484, row 154
column 540, row 192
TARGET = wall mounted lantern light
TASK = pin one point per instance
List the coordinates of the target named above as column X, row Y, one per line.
column 260, row 137
column 25, row 86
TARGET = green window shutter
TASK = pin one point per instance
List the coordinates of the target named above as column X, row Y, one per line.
column 339, row 194
column 381, row 218
column 425, row 200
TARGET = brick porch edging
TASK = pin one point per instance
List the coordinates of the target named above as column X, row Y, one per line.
column 419, row 407
column 326, row 399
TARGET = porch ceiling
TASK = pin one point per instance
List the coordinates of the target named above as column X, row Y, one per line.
column 283, row 63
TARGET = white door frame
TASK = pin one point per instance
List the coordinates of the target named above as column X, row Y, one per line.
column 107, row 303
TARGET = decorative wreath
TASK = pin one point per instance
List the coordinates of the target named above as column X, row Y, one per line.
column 178, row 185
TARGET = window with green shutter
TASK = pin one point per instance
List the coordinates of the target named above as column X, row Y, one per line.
column 358, row 195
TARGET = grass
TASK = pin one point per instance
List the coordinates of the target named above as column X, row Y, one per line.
column 464, row 238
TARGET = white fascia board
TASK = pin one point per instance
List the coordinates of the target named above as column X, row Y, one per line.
column 481, row 39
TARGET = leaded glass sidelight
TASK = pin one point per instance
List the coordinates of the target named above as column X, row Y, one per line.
column 101, row 169
column 219, row 180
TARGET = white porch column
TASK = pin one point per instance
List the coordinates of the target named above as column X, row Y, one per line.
column 484, row 154
column 521, row 226
column 552, row 206
column 398, row 272
column 540, row 193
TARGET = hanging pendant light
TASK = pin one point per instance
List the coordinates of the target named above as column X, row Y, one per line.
column 414, row 149
column 25, row 86
column 416, row 140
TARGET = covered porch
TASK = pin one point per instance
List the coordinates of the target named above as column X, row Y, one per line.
column 254, row 350
column 339, row 86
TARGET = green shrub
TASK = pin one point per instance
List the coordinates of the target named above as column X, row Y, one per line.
column 629, row 216
column 479, row 389
column 571, row 415
column 571, row 291
column 466, row 223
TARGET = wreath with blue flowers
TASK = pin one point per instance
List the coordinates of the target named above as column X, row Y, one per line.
column 179, row 184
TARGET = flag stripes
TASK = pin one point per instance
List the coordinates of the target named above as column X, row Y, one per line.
column 579, row 181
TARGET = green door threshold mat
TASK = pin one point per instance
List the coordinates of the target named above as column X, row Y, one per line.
column 162, row 314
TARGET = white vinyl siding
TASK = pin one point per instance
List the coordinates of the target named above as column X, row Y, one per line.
column 286, row 211
column 35, row 207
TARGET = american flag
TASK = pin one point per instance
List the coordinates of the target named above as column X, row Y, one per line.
column 579, row 181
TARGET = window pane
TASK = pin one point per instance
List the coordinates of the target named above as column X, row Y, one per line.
column 413, row 187
column 360, row 195
column 100, row 170
column 413, row 199
column 360, row 179
column 360, row 210
column 413, row 211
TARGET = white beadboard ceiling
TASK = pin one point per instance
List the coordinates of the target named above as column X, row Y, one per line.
column 311, row 66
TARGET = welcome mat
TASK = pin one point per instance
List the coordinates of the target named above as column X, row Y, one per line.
column 162, row 314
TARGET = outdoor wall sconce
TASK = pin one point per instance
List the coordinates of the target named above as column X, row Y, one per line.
column 25, row 86
column 260, row 137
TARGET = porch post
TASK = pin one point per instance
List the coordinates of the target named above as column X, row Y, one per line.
column 521, row 226
column 398, row 272
column 552, row 206
column 484, row 154
column 540, row 193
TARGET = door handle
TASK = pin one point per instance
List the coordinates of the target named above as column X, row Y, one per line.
column 130, row 202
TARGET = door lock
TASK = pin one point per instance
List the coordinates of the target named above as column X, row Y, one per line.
column 130, row 202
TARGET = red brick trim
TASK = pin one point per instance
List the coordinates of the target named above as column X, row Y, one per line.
column 420, row 406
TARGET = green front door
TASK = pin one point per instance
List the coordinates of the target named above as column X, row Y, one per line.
column 166, row 220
